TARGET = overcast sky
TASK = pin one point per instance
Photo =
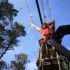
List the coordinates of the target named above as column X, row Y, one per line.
column 60, row 12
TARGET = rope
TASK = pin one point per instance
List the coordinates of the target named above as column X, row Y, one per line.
column 30, row 19
column 49, row 10
column 44, row 16
column 29, row 13
column 30, row 16
column 28, row 7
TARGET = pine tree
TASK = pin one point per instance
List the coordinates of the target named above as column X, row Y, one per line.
column 9, row 31
column 19, row 63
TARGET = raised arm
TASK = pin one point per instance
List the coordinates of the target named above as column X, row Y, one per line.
column 36, row 27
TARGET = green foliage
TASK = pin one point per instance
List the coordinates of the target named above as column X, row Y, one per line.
column 21, row 60
column 9, row 31
column 8, row 37
column 2, row 64
column 7, row 9
column 18, row 66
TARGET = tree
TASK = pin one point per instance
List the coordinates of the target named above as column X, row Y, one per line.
column 7, row 9
column 9, row 31
column 2, row 64
column 19, row 64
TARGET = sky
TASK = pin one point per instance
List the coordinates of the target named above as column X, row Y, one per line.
column 60, row 12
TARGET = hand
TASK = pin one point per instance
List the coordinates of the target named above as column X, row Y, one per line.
column 30, row 21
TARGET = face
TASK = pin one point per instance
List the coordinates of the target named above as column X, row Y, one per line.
column 44, row 26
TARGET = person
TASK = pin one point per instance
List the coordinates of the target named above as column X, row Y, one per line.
column 46, row 30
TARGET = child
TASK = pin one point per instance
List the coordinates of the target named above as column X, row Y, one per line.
column 46, row 30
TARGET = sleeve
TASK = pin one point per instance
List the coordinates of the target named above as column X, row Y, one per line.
column 36, row 27
column 40, row 30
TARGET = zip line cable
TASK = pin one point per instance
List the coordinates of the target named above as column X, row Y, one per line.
column 39, row 12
